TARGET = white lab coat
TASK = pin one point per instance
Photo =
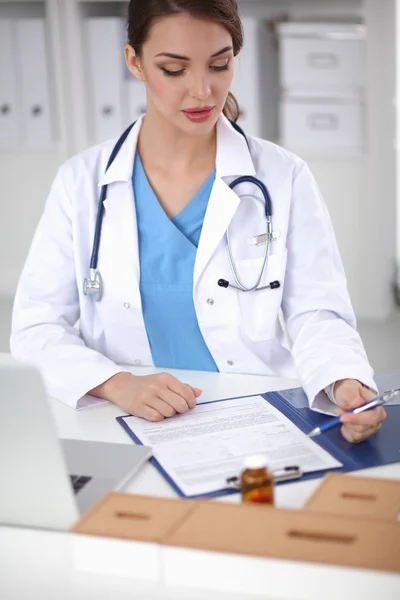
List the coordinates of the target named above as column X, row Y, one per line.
column 241, row 329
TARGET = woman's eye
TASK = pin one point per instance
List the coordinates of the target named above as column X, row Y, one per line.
column 176, row 72
column 169, row 73
column 219, row 67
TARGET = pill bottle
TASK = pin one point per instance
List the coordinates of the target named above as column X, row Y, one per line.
column 257, row 481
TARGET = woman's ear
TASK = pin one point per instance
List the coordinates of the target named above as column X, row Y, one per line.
column 133, row 62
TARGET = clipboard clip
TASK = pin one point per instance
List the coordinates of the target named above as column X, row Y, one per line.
column 286, row 474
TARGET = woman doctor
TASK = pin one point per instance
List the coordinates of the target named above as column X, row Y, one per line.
column 162, row 250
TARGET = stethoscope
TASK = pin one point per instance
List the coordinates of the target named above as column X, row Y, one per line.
column 94, row 285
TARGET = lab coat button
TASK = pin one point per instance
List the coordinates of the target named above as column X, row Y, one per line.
column 137, row 362
column 127, row 305
column 230, row 363
column 210, row 301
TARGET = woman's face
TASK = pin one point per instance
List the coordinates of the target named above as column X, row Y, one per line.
column 187, row 66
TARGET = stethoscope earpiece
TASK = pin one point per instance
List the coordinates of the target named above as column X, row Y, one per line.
column 223, row 283
column 273, row 285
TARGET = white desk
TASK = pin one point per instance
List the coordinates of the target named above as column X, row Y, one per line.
column 35, row 564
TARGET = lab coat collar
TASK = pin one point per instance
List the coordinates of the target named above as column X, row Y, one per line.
column 233, row 156
column 121, row 168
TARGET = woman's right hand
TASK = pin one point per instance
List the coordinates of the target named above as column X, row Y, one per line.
column 151, row 397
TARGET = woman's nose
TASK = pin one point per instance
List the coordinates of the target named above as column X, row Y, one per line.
column 200, row 87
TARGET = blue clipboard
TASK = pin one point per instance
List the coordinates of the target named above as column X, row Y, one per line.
column 381, row 449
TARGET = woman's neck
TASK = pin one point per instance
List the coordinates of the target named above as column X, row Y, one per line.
column 163, row 145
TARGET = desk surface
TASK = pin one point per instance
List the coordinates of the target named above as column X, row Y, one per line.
column 38, row 564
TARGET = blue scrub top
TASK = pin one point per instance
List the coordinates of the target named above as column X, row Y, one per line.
column 167, row 253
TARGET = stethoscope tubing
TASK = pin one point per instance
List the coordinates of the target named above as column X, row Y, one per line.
column 94, row 285
column 268, row 214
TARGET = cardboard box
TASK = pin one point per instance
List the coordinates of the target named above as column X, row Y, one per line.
column 247, row 549
column 132, row 517
column 283, row 554
column 137, row 524
column 290, row 534
column 362, row 497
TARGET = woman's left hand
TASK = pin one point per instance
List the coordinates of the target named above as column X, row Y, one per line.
column 350, row 393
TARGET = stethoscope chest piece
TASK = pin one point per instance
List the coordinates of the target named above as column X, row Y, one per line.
column 94, row 285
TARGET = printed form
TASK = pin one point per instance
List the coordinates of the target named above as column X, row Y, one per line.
column 199, row 450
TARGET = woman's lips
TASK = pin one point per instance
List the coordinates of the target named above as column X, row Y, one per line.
column 198, row 115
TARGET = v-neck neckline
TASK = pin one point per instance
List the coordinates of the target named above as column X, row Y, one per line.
column 187, row 206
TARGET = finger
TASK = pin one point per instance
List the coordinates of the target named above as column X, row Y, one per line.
column 351, row 393
column 361, row 430
column 350, row 398
column 356, row 438
column 369, row 418
column 151, row 414
column 179, row 404
column 168, row 403
column 183, row 390
column 358, row 432
column 197, row 391
column 357, row 435
column 163, row 407
column 377, row 428
column 351, row 436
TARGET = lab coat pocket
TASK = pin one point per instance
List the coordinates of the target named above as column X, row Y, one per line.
column 260, row 309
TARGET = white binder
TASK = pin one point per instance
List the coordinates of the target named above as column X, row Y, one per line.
column 32, row 68
column 105, row 74
column 9, row 132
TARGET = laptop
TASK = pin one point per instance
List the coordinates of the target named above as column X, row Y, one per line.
column 47, row 482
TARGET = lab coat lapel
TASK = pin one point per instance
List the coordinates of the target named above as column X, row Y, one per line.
column 233, row 159
column 121, row 241
column 221, row 208
column 119, row 248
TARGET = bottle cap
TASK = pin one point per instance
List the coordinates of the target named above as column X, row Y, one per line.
column 256, row 461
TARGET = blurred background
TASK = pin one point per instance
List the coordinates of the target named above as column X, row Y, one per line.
column 319, row 77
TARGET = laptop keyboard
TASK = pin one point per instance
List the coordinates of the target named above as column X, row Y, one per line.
column 78, row 481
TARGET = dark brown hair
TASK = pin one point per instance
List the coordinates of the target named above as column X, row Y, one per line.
column 143, row 13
